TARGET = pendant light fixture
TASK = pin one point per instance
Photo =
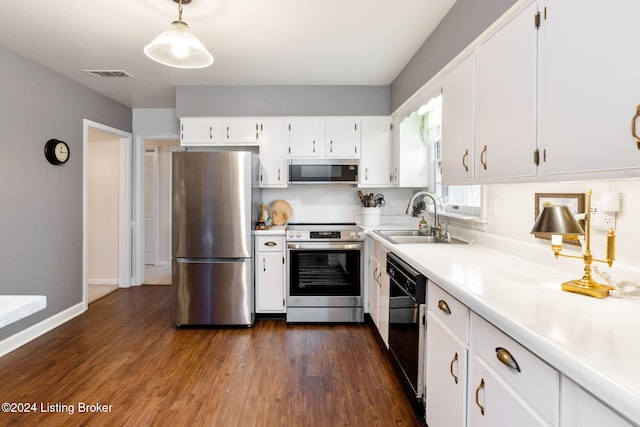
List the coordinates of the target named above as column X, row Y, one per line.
column 178, row 47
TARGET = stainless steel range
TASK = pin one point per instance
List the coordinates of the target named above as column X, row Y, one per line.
column 324, row 277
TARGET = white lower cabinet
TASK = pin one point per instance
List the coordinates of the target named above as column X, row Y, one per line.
column 446, row 367
column 508, row 385
column 446, row 398
column 578, row 408
column 270, row 274
column 379, row 284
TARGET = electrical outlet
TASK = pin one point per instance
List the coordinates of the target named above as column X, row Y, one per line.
column 600, row 219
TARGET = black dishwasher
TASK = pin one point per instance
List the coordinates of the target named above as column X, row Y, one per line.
column 406, row 326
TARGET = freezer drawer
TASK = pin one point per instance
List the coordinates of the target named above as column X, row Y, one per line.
column 212, row 292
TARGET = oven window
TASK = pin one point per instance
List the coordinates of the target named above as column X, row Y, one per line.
column 324, row 272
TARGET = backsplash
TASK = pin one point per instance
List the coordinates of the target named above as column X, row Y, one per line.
column 514, row 215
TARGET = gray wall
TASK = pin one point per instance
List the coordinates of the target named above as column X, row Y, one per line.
column 193, row 101
column 466, row 20
column 41, row 204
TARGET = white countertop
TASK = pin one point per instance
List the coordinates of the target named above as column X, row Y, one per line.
column 16, row 307
column 595, row 342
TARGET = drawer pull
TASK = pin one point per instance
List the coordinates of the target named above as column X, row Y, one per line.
column 454, row 361
column 442, row 305
column 480, row 387
column 465, row 160
column 270, row 243
column 505, row 357
column 483, row 157
column 633, row 126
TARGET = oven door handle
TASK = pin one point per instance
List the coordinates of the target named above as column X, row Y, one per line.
column 324, row 245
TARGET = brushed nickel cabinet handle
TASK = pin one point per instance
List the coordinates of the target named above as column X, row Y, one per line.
column 366, row 174
column 633, row 126
column 278, row 174
column 331, row 146
column 480, row 387
column 483, row 157
column 454, row 361
column 227, row 132
column 210, row 132
column 270, row 243
column 507, row 359
column 314, row 146
column 465, row 160
column 442, row 305
column 264, row 264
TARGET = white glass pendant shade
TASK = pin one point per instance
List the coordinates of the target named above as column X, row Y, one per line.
column 178, row 47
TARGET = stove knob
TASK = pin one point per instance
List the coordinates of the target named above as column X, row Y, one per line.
column 352, row 234
column 360, row 234
column 297, row 234
column 290, row 234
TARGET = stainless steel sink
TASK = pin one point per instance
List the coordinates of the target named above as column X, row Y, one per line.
column 400, row 237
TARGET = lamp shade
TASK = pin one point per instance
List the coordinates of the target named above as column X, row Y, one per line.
column 556, row 220
column 178, row 47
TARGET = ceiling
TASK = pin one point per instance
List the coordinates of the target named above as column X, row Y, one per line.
column 253, row 42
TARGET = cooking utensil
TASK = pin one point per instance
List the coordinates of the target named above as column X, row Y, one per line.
column 379, row 199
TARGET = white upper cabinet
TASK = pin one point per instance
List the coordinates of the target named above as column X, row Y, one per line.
column 240, row 131
column 273, row 167
column 305, row 137
column 458, row 122
column 199, row 131
column 506, row 106
column 375, row 152
column 213, row 131
column 342, row 138
column 590, row 89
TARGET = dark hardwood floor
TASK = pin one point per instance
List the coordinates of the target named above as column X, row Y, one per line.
column 123, row 353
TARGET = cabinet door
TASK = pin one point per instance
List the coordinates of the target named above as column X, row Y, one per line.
column 342, row 138
column 506, row 115
column 458, row 120
column 272, row 154
column 374, row 291
column 240, row 131
column 413, row 155
column 578, row 408
column 199, row 131
column 375, row 152
column 383, row 303
column 446, row 366
column 591, row 88
column 492, row 403
column 304, row 138
column 270, row 288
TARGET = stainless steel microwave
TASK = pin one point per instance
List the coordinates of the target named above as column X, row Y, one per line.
column 323, row 171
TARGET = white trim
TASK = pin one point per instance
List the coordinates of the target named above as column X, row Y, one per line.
column 26, row 335
column 153, row 152
column 100, row 282
column 124, row 205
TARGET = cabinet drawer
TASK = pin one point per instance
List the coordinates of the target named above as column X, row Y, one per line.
column 453, row 314
column 270, row 244
column 537, row 382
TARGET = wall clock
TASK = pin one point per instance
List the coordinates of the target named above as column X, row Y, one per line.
column 56, row 152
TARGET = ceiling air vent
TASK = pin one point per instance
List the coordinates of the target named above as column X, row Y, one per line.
column 108, row 73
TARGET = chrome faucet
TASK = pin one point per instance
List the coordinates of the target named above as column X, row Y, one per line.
column 436, row 229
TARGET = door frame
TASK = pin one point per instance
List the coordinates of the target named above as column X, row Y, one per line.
column 153, row 151
column 124, row 204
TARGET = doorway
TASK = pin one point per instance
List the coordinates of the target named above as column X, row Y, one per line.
column 106, row 210
column 157, row 211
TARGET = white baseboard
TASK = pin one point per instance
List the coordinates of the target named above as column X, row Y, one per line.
column 9, row 344
column 110, row 282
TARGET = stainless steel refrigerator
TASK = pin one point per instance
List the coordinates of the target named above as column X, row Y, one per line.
column 214, row 197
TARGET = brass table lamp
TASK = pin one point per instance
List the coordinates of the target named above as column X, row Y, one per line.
column 557, row 221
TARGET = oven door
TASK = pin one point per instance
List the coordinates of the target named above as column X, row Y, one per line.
column 406, row 336
column 324, row 274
